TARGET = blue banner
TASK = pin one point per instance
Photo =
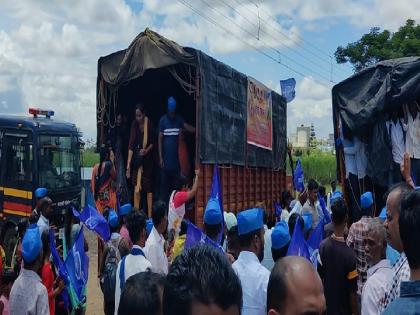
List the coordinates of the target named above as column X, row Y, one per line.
column 77, row 265
column 288, row 89
column 196, row 236
column 94, row 221
column 298, row 245
column 298, row 177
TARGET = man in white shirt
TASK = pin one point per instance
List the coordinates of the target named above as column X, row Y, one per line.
column 412, row 145
column 45, row 211
column 396, row 134
column 254, row 277
column 380, row 273
column 136, row 261
column 312, row 204
column 155, row 244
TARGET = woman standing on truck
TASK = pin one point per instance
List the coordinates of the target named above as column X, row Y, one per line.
column 140, row 158
column 101, row 184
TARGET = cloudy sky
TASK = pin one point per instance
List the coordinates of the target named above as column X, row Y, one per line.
column 49, row 49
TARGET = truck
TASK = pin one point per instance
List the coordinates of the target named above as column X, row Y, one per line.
column 212, row 97
column 362, row 105
column 36, row 151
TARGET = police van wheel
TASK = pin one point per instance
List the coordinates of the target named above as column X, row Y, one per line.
column 10, row 240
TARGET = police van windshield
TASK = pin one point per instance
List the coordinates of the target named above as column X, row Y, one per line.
column 59, row 161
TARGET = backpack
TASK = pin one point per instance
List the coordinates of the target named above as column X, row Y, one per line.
column 109, row 275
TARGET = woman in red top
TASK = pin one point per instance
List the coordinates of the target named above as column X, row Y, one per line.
column 54, row 287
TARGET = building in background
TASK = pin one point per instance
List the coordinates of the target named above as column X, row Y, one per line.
column 301, row 139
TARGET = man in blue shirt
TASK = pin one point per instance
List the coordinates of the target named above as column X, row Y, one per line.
column 170, row 125
column 409, row 221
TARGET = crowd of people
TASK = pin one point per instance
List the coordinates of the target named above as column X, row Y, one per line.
column 144, row 271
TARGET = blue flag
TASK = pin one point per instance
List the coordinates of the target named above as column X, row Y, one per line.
column 288, row 89
column 326, row 213
column 77, row 265
column 94, row 221
column 58, row 262
column 216, row 193
column 298, row 177
column 298, row 245
column 277, row 211
column 196, row 236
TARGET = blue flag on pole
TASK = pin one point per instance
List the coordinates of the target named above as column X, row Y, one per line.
column 216, row 193
column 298, row 177
column 94, row 221
column 277, row 210
column 58, row 262
column 288, row 89
column 196, row 236
column 77, row 265
column 298, row 245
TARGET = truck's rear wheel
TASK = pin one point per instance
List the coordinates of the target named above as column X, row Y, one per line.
column 10, row 240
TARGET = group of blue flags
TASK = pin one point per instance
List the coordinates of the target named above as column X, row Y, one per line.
column 75, row 269
column 194, row 234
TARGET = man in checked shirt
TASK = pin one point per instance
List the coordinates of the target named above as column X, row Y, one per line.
column 356, row 239
column 401, row 268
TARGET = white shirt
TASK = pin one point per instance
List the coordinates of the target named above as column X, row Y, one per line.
column 268, row 261
column 254, row 280
column 350, row 157
column 412, row 144
column 43, row 224
column 397, row 140
column 297, row 208
column 155, row 252
column 379, row 280
column 133, row 265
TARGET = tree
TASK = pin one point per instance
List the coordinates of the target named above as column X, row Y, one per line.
column 376, row 46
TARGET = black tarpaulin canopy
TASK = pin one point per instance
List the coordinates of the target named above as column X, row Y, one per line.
column 222, row 99
column 363, row 101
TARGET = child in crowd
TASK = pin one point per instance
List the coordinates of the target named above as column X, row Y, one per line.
column 8, row 278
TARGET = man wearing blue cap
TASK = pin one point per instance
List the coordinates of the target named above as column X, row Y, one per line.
column 357, row 236
column 213, row 220
column 280, row 240
column 40, row 193
column 115, row 248
column 170, row 126
column 254, row 277
column 28, row 294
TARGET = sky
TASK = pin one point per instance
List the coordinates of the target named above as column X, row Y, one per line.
column 49, row 49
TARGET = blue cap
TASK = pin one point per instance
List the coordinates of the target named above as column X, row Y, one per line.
column 171, row 104
column 125, row 209
column 366, row 200
column 41, row 192
column 250, row 220
column 336, row 195
column 382, row 215
column 307, row 220
column 31, row 244
column 112, row 218
column 212, row 215
column 149, row 226
column 280, row 235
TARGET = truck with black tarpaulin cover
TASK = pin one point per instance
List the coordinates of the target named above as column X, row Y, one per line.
column 212, row 97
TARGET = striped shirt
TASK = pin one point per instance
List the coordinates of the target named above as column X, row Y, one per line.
column 170, row 128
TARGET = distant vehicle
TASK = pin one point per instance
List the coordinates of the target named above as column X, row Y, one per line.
column 36, row 152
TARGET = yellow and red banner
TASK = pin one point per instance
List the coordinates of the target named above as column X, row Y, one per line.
column 259, row 129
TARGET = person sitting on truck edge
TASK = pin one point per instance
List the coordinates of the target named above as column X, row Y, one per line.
column 46, row 212
column 40, row 193
column 396, row 133
column 169, row 128
column 213, row 219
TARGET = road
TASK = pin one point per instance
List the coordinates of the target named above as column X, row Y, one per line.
column 94, row 293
